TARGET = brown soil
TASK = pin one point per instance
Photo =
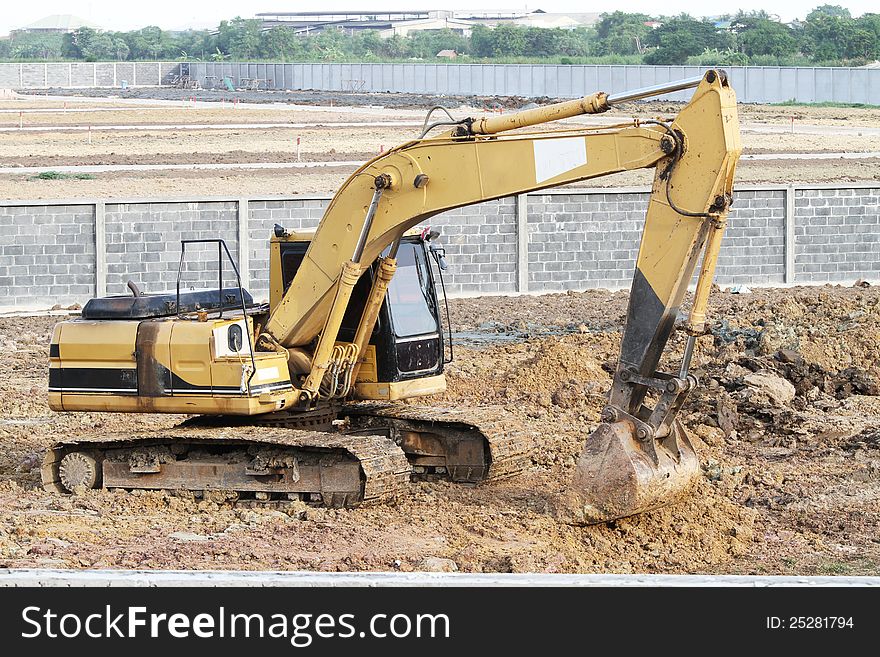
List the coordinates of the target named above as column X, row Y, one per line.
column 787, row 487
column 326, row 181
column 230, row 157
column 322, row 142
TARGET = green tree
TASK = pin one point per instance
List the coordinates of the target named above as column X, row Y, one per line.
column 281, row 43
column 869, row 24
column 423, row 45
column 366, row 43
column 758, row 35
column 834, row 11
column 826, row 37
column 447, row 39
column 120, row 48
column 683, row 37
column 481, row 41
column 620, row 33
column 76, row 43
column 34, row 45
column 196, row 44
column 330, row 44
column 145, row 43
column 542, row 42
column 100, row 47
column 240, row 38
column 508, row 40
column 396, row 47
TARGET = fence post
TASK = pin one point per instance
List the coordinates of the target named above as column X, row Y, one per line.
column 244, row 263
column 789, row 234
column 522, row 243
column 100, row 249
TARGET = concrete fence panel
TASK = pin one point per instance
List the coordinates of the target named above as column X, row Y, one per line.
column 67, row 251
column 754, row 84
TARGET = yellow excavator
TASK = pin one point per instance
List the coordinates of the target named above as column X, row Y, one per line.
column 302, row 398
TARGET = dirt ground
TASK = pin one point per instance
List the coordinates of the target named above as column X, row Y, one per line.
column 785, row 423
column 317, row 125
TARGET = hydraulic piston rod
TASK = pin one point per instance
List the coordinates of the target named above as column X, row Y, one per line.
column 654, row 90
column 593, row 104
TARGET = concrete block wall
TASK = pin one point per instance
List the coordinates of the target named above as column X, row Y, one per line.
column 293, row 214
column 481, row 240
column 143, row 244
column 481, row 247
column 65, row 252
column 84, row 74
column 47, row 254
column 583, row 240
column 753, row 250
column 837, row 236
column 579, row 240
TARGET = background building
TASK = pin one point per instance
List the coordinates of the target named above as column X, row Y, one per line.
column 57, row 24
column 403, row 23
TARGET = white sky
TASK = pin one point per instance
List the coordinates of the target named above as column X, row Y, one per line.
column 178, row 14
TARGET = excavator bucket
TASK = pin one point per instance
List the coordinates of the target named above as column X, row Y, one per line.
column 618, row 475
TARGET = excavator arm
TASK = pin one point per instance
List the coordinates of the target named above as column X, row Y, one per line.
column 640, row 455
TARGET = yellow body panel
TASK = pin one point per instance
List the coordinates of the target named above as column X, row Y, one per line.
column 368, row 372
column 173, row 365
column 116, row 339
column 431, row 385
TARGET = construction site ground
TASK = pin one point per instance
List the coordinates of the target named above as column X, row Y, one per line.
column 785, row 424
column 785, row 421
column 149, row 126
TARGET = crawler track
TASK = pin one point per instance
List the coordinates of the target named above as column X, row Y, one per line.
column 467, row 445
column 329, row 468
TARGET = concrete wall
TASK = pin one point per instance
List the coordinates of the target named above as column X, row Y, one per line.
column 837, row 236
column 753, row 84
column 64, row 252
column 143, row 242
column 84, row 74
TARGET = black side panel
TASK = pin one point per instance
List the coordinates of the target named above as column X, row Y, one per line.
column 147, row 306
column 292, row 254
column 418, row 355
column 120, row 381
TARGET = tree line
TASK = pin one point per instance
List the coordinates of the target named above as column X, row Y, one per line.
column 828, row 36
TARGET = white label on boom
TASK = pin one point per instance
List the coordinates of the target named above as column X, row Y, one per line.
column 556, row 156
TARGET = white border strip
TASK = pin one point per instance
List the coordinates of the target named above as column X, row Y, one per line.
column 161, row 578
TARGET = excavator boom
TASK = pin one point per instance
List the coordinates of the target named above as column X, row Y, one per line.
column 639, row 457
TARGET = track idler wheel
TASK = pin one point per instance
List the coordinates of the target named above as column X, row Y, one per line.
column 617, row 475
column 78, row 472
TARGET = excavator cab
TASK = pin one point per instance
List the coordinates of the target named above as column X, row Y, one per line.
column 406, row 351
